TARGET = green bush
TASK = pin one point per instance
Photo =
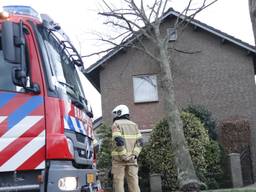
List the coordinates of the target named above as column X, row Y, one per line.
column 158, row 155
column 214, row 158
column 204, row 152
column 205, row 117
column 104, row 134
column 144, row 170
column 104, row 155
column 220, row 170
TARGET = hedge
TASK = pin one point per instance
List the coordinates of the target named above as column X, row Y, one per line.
column 205, row 153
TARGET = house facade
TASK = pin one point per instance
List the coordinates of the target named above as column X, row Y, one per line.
column 210, row 68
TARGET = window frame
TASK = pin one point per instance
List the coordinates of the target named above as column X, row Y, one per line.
column 156, row 96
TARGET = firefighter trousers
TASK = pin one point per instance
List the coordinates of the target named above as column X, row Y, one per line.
column 130, row 172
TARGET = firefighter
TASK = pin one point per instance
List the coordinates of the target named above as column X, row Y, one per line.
column 126, row 146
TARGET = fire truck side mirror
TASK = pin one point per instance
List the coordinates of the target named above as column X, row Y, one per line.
column 34, row 88
column 8, row 42
column 89, row 114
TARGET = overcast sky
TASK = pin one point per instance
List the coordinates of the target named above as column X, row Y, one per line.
column 79, row 19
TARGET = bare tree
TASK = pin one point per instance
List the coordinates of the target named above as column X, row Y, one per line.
column 137, row 22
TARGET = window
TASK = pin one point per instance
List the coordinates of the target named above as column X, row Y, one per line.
column 145, row 88
column 6, row 75
column 172, row 34
column 64, row 72
column 6, row 68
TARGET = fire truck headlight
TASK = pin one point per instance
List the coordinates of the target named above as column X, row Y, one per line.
column 71, row 147
column 68, row 183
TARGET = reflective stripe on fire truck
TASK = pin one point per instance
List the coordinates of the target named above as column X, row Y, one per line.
column 74, row 124
column 25, row 153
column 24, row 110
column 41, row 165
column 2, row 118
column 5, row 97
column 22, row 132
column 20, row 128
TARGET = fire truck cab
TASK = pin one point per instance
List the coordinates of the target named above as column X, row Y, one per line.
column 46, row 138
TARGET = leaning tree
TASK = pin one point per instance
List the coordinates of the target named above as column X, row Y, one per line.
column 138, row 23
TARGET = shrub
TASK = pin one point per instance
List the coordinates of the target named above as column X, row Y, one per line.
column 220, row 170
column 204, row 152
column 104, row 155
column 205, row 117
column 159, row 155
column 144, row 170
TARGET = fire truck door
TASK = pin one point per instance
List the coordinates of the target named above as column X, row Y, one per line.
column 22, row 124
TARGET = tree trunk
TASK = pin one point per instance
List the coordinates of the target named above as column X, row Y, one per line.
column 187, row 178
column 252, row 10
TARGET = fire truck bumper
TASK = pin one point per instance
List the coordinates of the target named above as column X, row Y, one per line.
column 63, row 176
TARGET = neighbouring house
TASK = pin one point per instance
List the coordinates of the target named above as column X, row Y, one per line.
column 210, row 68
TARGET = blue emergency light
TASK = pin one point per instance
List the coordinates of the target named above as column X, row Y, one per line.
column 21, row 10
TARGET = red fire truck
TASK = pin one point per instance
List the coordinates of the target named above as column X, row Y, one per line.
column 46, row 139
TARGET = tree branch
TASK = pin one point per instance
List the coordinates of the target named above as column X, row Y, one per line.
column 158, row 10
column 189, row 18
column 139, row 12
column 120, row 26
column 164, row 7
column 143, row 30
column 97, row 53
column 147, row 52
column 152, row 10
column 120, row 35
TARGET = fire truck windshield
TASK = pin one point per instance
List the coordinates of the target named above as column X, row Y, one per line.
column 64, row 72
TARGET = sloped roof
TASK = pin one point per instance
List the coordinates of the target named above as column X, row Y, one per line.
column 97, row 122
column 171, row 12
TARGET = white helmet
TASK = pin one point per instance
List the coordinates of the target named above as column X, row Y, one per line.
column 120, row 110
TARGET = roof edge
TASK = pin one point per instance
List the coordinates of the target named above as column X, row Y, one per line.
column 195, row 22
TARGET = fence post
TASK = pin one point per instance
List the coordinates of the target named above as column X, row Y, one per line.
column 155, row 183
column 236, row 171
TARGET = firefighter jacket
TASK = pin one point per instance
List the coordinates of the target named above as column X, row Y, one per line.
column 126, row 141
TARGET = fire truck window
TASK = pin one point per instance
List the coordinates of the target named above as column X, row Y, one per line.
column 5, row 75
column 6, row 83
column 63, row 70
column 56, row 63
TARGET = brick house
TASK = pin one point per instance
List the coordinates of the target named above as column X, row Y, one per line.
column 219, row 76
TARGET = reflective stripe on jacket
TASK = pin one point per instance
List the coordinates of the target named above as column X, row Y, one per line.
column 128, row 132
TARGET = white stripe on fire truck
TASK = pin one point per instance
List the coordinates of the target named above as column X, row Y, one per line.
column 41, row 165
column 25, row 153
column 2, row 118
column 74, row 124
column 81, row 127
column 66, row 126
column 19, row 129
